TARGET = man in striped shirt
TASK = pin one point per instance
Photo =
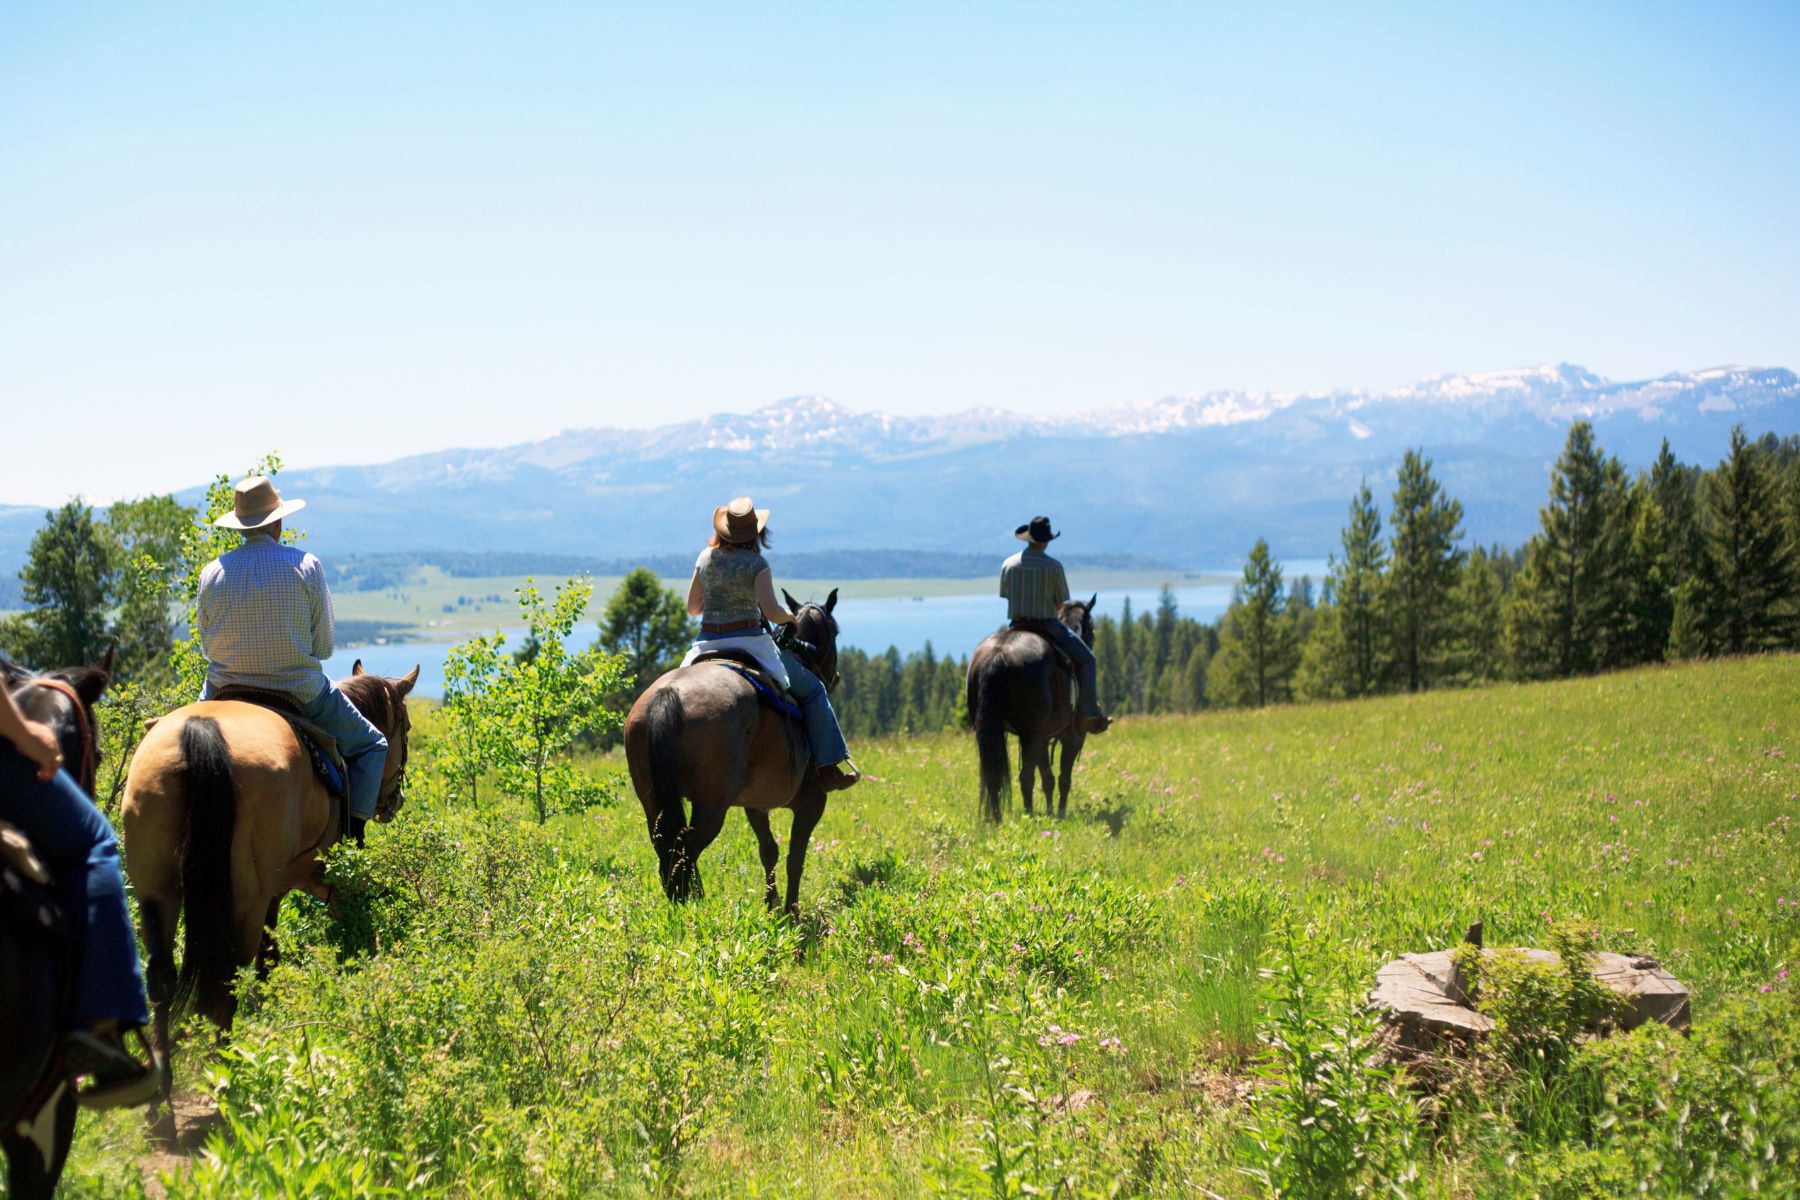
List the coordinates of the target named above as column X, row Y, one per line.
column 1035, row 587
column 265, row 622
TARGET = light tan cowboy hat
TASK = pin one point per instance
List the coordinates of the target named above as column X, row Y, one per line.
column 739, row 521
column 256, row 504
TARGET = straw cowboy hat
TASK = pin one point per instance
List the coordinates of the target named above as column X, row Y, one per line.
column 1036, row 530
column 739, row 521
column 256, row 504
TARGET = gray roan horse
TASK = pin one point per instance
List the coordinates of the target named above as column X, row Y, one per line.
column 701, row 734
column 37, row 1100
column 1018, row 684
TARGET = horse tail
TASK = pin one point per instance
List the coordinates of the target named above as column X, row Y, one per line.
column 208, row 958
column 990, row 740
column 663, row 719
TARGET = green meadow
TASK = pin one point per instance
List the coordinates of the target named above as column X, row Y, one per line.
column 1154, row 997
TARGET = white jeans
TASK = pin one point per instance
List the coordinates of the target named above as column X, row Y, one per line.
column 753, row 642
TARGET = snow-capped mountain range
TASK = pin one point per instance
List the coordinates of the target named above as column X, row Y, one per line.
column 1185, row 479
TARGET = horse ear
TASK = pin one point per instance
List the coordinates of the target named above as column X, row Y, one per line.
column 91, row 684
column 106, row 663
column 356, row 667
column 831, row 600
column 1093, row 602
column 406, row 682
column 793, row 604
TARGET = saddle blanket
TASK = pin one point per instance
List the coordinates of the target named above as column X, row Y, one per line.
column 321, row 747
column 777, row 701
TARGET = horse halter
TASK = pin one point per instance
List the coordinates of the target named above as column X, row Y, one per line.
column 807, row 652
column 89, row 751
column 392, row 786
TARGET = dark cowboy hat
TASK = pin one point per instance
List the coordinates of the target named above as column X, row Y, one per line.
column 1036, row 530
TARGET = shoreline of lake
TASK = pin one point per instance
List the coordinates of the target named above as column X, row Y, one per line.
column 953, row 624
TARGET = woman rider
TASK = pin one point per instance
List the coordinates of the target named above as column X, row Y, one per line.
column 732, row 593
column 75, row 841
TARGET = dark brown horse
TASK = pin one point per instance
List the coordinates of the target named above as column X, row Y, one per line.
column 224, row 815
column 37, row 1100
column 703, row 735
column 1018, row 684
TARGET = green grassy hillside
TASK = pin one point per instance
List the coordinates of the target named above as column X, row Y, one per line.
column 1058, row 1008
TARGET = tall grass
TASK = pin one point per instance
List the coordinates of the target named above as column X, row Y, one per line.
column 1074, row 1008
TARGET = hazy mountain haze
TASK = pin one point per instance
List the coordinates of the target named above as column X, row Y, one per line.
column 1187, row 480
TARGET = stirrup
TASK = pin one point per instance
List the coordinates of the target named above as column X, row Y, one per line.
column 115, row 1078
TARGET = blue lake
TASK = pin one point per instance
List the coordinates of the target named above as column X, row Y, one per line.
column 953, row 625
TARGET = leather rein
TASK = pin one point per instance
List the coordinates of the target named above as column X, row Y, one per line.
column 806, row 652
column 90, row 752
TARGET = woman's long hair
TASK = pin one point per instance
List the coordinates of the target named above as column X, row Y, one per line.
column 761, row 539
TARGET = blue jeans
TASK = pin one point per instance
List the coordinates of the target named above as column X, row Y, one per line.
column 823, row 735
column 76, row 842
column 362, row 745
column 1070, row 643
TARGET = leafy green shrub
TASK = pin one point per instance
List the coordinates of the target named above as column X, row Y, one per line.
column 1332, row 1119
column 1540, row 1008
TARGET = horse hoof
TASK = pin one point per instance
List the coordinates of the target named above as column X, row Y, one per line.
column 163, row 1134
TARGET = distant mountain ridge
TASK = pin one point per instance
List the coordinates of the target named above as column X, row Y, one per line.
column 1188, row 480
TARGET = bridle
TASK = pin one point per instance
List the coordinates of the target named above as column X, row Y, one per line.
column 807, row 652
column 1085, row 631
column 90, row 752
column 391, row 787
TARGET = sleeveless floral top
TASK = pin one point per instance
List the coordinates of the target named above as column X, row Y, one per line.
column 728, row 578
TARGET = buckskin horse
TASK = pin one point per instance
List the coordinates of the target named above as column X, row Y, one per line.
column 1019, row 684
column 37, row 1100
column 224, row 815
column 703, row 734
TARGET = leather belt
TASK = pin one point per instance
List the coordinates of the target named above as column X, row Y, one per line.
column 729, row 626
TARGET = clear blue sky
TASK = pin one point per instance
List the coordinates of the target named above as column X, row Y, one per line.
column 354, row 231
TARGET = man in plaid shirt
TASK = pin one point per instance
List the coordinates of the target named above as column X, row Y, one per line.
column 1035, row 587
column 265, row 623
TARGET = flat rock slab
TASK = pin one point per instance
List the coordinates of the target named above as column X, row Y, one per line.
column 1421, row 995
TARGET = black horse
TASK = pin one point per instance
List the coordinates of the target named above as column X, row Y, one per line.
column 1019, row 684
column 37, row 1099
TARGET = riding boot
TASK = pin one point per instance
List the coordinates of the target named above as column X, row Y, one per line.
column 115, row 1078
column 834, row 778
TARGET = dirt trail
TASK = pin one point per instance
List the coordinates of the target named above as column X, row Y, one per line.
column 195, row 1117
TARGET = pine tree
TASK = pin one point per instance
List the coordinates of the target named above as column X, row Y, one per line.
column 1750, row 555
column 1193, row 677
column 1426, row 524
column 1167, row 615
column 1352, row 651
column 1665, row 551
column 1255, row 663
column 1573, row 611
column 1687, row 622
column 1324, row 658
column 1479, row 655
column 1109, row 664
